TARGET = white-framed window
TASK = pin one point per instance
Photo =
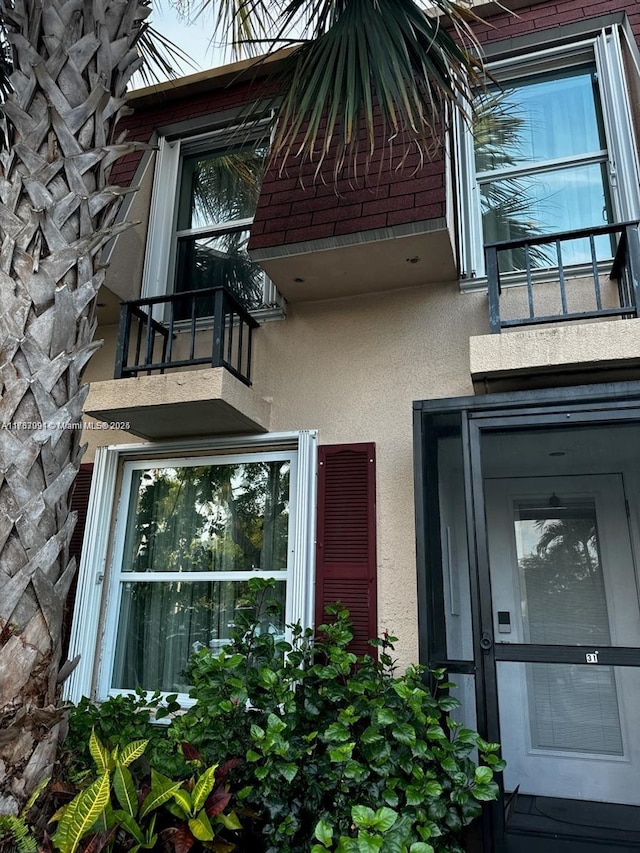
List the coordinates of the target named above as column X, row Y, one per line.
column 205, row 193
column 550, row 149
column 174, row 535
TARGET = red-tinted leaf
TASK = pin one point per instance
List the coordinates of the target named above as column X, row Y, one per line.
column 217, row 803
column 99, row 841
column 223, row 771
column 62, row 789
column 144, row 789
column 45, row 845
column 182, row 839
column 190, row 752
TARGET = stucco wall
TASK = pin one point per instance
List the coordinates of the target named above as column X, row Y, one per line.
column 351, row 369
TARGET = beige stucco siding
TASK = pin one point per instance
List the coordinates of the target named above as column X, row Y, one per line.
column 126, row 255
column 351, row 369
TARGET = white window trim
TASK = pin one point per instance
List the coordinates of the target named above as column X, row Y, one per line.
column 92, row 633
column 155, row 277
column 621, row 154
column 159, row 260
column 624, row 174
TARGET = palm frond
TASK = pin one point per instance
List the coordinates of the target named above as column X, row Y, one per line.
column 366, row 75
column 381, row 74
column 243, row 25
column 159, row 56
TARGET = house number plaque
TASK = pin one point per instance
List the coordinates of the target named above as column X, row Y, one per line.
column 592, row 657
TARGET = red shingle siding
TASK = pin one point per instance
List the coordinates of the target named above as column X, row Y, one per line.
column 298, row 206
column 542, row 16
column 141, row 124
column 387, row 197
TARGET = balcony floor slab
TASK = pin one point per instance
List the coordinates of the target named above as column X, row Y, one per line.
column 188, row 403
column 547, row 356
column 383, row 259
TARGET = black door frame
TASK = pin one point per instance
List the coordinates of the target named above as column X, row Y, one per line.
column 470, row 418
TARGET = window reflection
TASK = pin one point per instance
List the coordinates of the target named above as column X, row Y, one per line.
column 540, row 155
column 220, row 187
column 558, row 556
column 209, row 519
column 219, row 260
column 218, row 191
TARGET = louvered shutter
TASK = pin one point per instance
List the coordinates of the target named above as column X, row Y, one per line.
column 79, row 504
column 346, row 548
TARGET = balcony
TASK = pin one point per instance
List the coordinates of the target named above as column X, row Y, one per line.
column 590, row 299
column 161, row 389
column 146, row 344
column 559, row 300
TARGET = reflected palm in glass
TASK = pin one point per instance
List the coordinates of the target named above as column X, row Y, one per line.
column 226, row 186
column 218, row 190
column 560, row 563
column 541, row 164
column 506, row 205
column 220, row 260
column 205, row 519
column 571, row 708
column 209, row 518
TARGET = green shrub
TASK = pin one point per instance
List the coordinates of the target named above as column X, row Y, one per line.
column 338, row 753
column 16, row 833
column 323, row 732
column 118, row 811
column 117, row 721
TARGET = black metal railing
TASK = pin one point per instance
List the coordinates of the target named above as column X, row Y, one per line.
column 563, row 273
column 185, row 330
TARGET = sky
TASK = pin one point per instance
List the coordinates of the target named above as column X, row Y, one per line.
column 193, row 36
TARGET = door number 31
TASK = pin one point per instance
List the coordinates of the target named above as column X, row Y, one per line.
column 592, row 657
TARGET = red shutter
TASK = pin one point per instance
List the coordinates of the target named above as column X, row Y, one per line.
column 79, row 504
column 346, row 549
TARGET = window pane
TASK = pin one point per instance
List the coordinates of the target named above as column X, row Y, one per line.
column 209, row 518
column 162, row 624
column 558, row 555
column 546, row 203
column 573, row 708
column 541, row 126
column 216, row 261
column 539, row 119
column 220, row 187
column 456, row 584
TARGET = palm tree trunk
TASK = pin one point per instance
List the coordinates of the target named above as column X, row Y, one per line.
column 72, row 61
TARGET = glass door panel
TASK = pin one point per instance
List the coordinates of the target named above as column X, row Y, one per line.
column 456, row 587
column 558, row 558
column 562, row 575
column 561, row 562
column 568, row 731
